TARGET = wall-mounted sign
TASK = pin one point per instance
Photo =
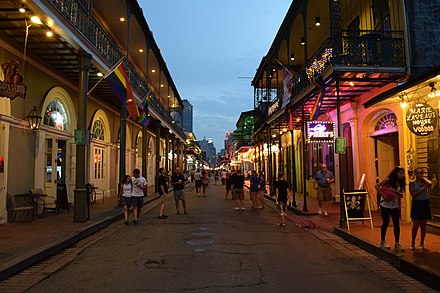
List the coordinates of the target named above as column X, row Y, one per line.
column 320, row 132
column 421, row 119
column 341, row 145
column 79, row 136
column 12, row 85
column 273, row 108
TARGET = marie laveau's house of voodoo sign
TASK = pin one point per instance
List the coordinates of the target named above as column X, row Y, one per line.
column 12, row 85
column 421, row 119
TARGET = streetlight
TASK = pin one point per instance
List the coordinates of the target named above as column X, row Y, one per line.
column 34, row 119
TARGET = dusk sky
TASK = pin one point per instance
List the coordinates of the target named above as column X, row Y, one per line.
column 212, row 49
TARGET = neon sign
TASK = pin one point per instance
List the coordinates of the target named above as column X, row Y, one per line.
column 320, row 132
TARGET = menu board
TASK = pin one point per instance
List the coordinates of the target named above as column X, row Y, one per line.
column 421, row 119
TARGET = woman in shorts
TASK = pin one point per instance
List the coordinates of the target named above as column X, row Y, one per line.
column 125, row 195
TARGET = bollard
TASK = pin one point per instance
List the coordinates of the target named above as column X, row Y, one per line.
column 80, row 205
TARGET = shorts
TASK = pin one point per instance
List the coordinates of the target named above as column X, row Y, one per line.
column 126, row 201
column 324, row 193
column 283, row 206
column 254, row 194
column 179, row 195
column 137, row 201
column 163, row 198
column 198, row 183
column 238, row 194
column 420, row 210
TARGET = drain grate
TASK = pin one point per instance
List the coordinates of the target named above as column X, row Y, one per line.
column 199, row 242
column 152, row 264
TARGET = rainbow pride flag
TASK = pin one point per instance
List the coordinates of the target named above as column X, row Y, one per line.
column 143, row 110
column 118, row 81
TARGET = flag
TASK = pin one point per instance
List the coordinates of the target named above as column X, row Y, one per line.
column 290, row 119
column 287, row 87
column 118, row 81
column 314, row 114
column 143, row 112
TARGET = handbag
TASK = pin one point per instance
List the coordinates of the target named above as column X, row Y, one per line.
column 387, row 193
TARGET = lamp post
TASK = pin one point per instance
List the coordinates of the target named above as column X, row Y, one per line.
column 34, row 119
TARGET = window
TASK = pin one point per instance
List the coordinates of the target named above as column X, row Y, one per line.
column 49, row 160
column 388, row 121
column 98, row 129
column 55, row 115
column 98, row 163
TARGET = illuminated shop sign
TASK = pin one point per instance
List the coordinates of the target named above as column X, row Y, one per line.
column 320, row 132
column 12, row 85
column 421, row 119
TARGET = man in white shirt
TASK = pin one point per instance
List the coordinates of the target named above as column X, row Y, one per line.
column 223, row 176
column 137, row 195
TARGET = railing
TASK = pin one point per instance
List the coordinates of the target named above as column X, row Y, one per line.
column 372, row 48
column 75, row 12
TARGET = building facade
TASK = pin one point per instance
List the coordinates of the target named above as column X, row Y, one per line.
column 85, row 134
column 350, row 70
column 187, row 122
column 208, row 148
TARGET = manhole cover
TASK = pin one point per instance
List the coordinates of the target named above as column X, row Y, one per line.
column 151, row 264
column 199, row 242
column 202, row 233
column 199, row 250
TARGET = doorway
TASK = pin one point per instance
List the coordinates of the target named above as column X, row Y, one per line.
column 386, row 149
column 55, row 157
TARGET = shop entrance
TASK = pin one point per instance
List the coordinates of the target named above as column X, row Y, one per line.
column 55, row 169
column 386, row 149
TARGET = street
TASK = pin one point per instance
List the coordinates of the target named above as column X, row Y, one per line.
column 217, row 249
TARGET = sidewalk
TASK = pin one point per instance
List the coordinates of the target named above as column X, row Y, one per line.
column 421, row 265
column 26, row 243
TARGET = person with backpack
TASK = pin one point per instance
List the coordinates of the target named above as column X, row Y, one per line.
column 390, row 190
column 420, row 209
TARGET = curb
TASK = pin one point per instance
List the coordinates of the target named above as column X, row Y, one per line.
column 21, row 263
column 421, row 274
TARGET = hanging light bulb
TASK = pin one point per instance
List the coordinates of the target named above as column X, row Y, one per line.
column 317, row 21
column 292, row 56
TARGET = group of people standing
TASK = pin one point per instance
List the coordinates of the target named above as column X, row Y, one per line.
column 390, row 191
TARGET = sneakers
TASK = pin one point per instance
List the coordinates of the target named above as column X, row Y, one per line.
column 178, row 213
column 236, row 209
column 411, row 247
column 326, row 214
column 384, row 245
column 127, row 222
column 136, row 221
column 281, row 225
column 243, row 208
column 422, row 247
column 260, row 207
column 398, row 248
column 163, row 216
column 185, row 212
column 319, row 212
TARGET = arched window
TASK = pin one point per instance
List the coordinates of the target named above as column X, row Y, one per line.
column 55, row 115
column 388, row 121
column 98, row 129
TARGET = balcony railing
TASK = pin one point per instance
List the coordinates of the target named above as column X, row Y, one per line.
column 75, row 12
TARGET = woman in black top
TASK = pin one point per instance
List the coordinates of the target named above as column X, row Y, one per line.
column 262, row 190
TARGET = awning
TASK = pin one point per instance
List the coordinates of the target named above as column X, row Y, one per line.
column 406, row 86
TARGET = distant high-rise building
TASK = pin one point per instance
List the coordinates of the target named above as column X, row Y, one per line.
column 187, row 121
column 208, row 147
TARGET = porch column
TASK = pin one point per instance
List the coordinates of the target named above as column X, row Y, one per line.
column 173, row 147
column 80, row 196
column 167, row 150
column 355, row 144
column 144, row 152
column 342, row 222
column 158, row 158
column 304, row 156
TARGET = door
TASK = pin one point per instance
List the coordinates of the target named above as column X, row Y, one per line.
column 98, row 176
column 55, row 170
column 387, row 154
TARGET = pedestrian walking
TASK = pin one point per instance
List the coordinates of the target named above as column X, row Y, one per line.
column 254, row 189
column 178, row 182
column 238, row 182
column 281, row 198
column 198, row 181
column 223, row 176
column 420, row 209
column 137, row 195
column 390, row 191
column 125, row 196
column 261, row 191
column 216, row 177
column 205, row 181
column 163, row 191
column 228, row 185
column 323, row 179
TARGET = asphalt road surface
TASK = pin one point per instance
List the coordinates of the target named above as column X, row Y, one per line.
column 217, row 249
